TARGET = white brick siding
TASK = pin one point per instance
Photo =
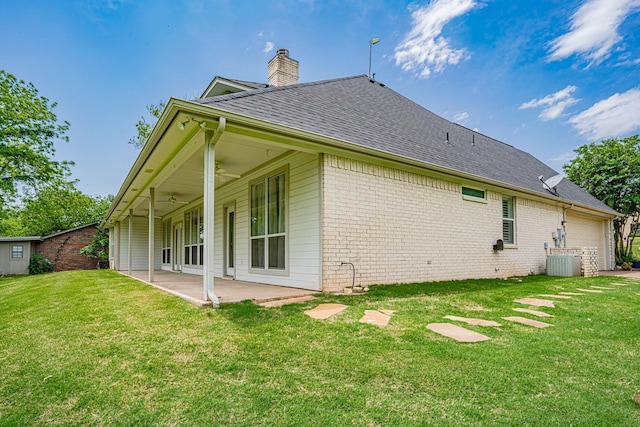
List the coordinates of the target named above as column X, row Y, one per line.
column 400, row 227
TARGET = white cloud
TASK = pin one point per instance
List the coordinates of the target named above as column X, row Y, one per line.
column 564, row 157
column 268, row 47
column 260, row 34
column 594, row 30
column 461, row 117
column 615, row 116
column 424, row 50
column 554, row 104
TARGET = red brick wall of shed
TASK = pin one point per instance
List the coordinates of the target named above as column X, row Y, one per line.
column 64, row 249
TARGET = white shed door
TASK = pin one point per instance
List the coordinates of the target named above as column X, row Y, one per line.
column 583, row 231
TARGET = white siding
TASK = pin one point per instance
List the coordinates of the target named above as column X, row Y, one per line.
column 303, row 231
column 400, row 227
column 583, row 231
column 139, row 244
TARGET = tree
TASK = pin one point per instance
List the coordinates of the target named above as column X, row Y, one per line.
column 99, row 245
column 58, row 207
column 28, row 130
column 144, row 127
column 610, row 171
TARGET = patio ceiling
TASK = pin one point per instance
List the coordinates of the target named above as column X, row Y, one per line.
column 175, row 167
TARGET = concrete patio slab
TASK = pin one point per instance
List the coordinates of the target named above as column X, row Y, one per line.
column 324, row 311
column 457, row 333
column 591, row 291
column 535, row 301
column 529, row 322
column 472, row 321
column 190, row 288
column 555, row 296
column 286, row 301
column 534, row 312
column 375, row 317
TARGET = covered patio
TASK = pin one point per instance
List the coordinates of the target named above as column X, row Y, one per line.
column 189, row 288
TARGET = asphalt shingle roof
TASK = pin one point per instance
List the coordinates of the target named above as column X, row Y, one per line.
column 369, row 114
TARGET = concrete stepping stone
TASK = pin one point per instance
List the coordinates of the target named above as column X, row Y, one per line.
column 572, row 293
column 534, row 312
column 602, row 287
column 324, row 311
column 375, row 317
column 555, row 296
column 529, row 322
column 536, row 301
column 471, row 321
column 620, row 284
column 456, row 332
column 592, row 291
column 285, row 301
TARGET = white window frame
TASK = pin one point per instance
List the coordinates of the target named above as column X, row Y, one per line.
column 190, row 245
column 473, row 198
column 14, row 251
column 507, row 219
column 266, row 269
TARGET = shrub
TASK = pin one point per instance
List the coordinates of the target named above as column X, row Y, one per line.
column 39, row 264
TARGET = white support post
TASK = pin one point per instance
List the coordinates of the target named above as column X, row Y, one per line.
column 129, row 256
column 152, row 229
column 211, row 138
column 115, row 244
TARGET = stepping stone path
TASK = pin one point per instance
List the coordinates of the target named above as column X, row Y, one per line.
column 592, row 291
column 535, row 301
column 602, row 287
column 470, row 321
column 620, row 284
column 571, row 293
column 525, row 321
column 324, row 311
column 457, row 333
column 534, row 312
column 555, row 296
column 280, row 302
column 377, row 317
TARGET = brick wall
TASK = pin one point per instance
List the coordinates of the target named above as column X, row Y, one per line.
column 588, row 258
column 64, row 249
column 399, row 227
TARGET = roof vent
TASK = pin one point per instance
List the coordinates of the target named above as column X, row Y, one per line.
column 283, row 70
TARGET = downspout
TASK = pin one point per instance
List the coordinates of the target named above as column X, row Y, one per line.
column 211, row 138
column 564, row 224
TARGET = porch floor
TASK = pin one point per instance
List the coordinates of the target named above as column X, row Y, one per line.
column 189, row 287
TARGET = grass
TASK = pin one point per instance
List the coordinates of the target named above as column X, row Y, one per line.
column 97, row 348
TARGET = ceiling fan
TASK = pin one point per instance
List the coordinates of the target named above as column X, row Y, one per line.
column 172, row 199
column 223, row 174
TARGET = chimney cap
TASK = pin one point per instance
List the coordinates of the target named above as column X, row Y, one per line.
column 283, row 51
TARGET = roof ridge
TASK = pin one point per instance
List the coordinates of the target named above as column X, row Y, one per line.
column 268, row 89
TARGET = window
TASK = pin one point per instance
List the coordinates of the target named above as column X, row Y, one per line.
column 473, row 194
column 17, row 251
column 194, row 236
column 268, row 223
column 166, row 242
column 508, row 220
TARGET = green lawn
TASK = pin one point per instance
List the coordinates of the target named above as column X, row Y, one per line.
column 96, row 348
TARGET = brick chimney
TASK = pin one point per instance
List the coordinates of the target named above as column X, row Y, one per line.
column 283, row 70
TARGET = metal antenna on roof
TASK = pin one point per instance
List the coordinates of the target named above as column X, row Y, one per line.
column 371, row 43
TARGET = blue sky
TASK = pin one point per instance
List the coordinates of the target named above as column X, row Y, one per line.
column 545, row 76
